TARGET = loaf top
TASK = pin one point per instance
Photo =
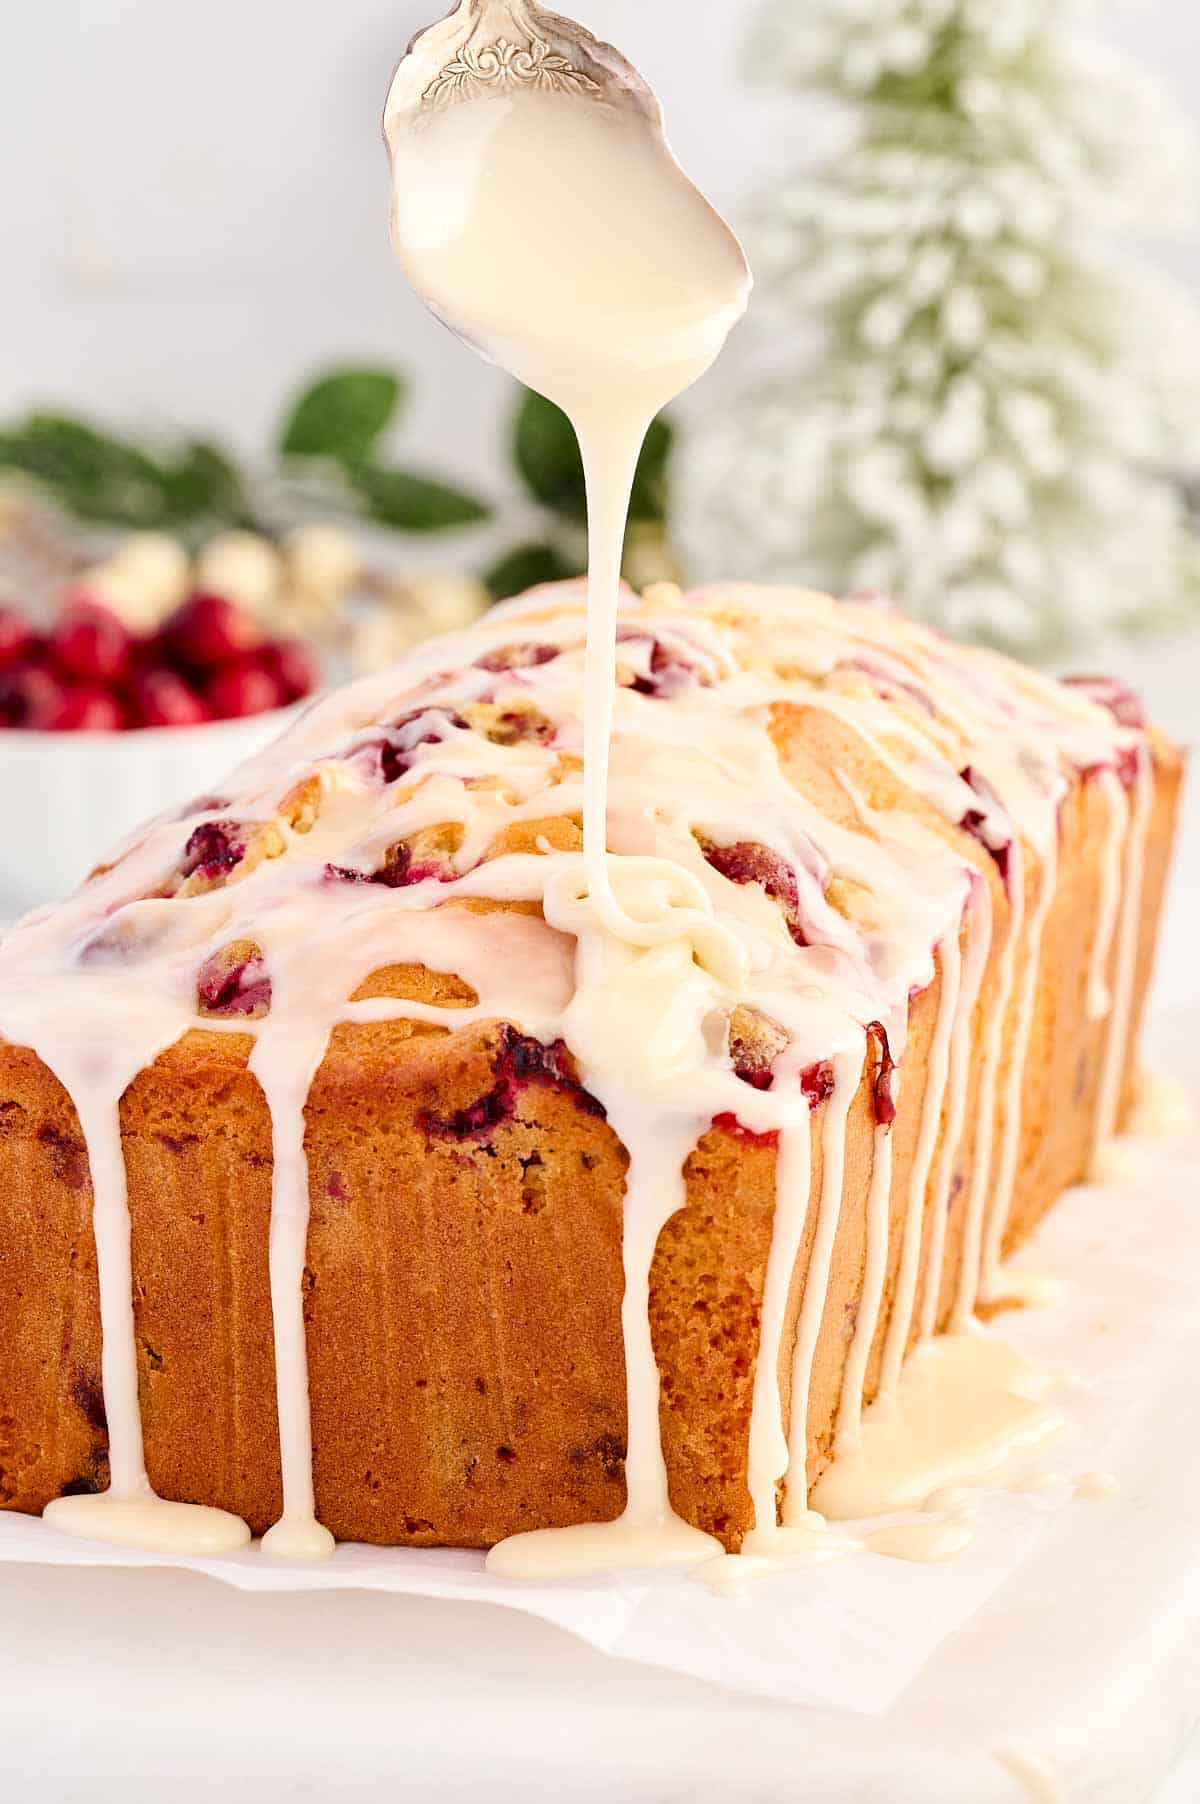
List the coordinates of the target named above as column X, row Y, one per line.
column 802, row 795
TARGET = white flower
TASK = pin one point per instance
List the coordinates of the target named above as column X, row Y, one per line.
column 242, row 566
column 954, row 441
column 323, row 559
column 963, row 319
column 984, row 425
column 883, row 323
column 144, row 580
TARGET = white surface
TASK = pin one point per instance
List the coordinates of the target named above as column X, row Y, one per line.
column 1088, row 1657
column 194, row 204
column 67, row 800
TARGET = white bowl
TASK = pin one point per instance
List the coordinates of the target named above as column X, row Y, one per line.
column 67, row 799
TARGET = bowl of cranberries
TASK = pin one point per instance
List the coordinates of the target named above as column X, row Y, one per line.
column 102, row 727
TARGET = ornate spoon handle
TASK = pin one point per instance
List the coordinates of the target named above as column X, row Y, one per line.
column 489, row 47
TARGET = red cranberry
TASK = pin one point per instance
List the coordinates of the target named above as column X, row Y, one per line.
column 748, row 862
column 86, row 709
column 16, row 637
column 398, row 871
column 669, row 672
column 517, row 657
column 987, row 824
column 208, row 632
column 165, row 700
column 213, row 849
column 890, row 684
column 242, row 689
column 519, row 1062
column 90, row 644
column 1129, row 764
column 239, row 989
column 885, row 1074
column 729, row 1124
column 1108, row 692
column 29, row 697
column 396, row 755
column 293, row 667
column 817, row 1083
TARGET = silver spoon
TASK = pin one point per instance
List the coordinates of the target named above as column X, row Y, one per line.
column 504, row 46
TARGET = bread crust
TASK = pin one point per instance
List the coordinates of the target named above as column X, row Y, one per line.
column 462, row 1292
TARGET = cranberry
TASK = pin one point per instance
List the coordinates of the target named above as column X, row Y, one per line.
column 818, row 1082
column 241, row 690
column 293, row 667
column 748, row 862
column 398, row 871
column 981, row 823
column 29, row 697
column 208, row 632
column 238, row 988
column 215, row 848
column 885, row 1073
column 16, row 637
column 519, row 1062
column 890, row 684
column 517, row 657
column 90, row 644
column 1128, row 765
column 755, row 1042
column 1108, row 692
column 396, row 754
column 86, row 709
column 165, row 700
column 669, row 673
column 729, row 1124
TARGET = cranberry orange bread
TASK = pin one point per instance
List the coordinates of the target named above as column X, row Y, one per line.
column 404, row 1114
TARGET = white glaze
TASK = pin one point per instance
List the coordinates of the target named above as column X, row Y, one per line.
column 1117, row 1049
column 940, row 1538
column 964, row 1403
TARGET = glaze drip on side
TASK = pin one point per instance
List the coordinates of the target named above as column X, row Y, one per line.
column 100, row 987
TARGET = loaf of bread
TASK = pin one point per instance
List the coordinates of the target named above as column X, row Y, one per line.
column 430, row 1156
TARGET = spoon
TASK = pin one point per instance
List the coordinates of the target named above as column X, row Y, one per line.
column 505, row 46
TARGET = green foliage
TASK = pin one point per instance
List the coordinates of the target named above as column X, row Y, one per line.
column 547, row 456
column 342, row 416
column 205, row 484
column 526, row 566
column 197, row 487
column 546, row 453
column 332, row 435
column 548, row 461
column 101, row 477
column 651, row 492
column 413, row 503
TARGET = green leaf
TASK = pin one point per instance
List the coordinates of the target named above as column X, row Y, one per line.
column 204, row 483
column 97, row 476
column 415, row 503
column 650, row 490
column 547, row 456
column 342, row 416
column 526, row 566
column 548, row 460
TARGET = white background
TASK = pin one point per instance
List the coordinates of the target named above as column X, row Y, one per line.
column 193, row 194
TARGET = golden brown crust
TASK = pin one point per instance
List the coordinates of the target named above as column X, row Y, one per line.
column 463, row 1289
